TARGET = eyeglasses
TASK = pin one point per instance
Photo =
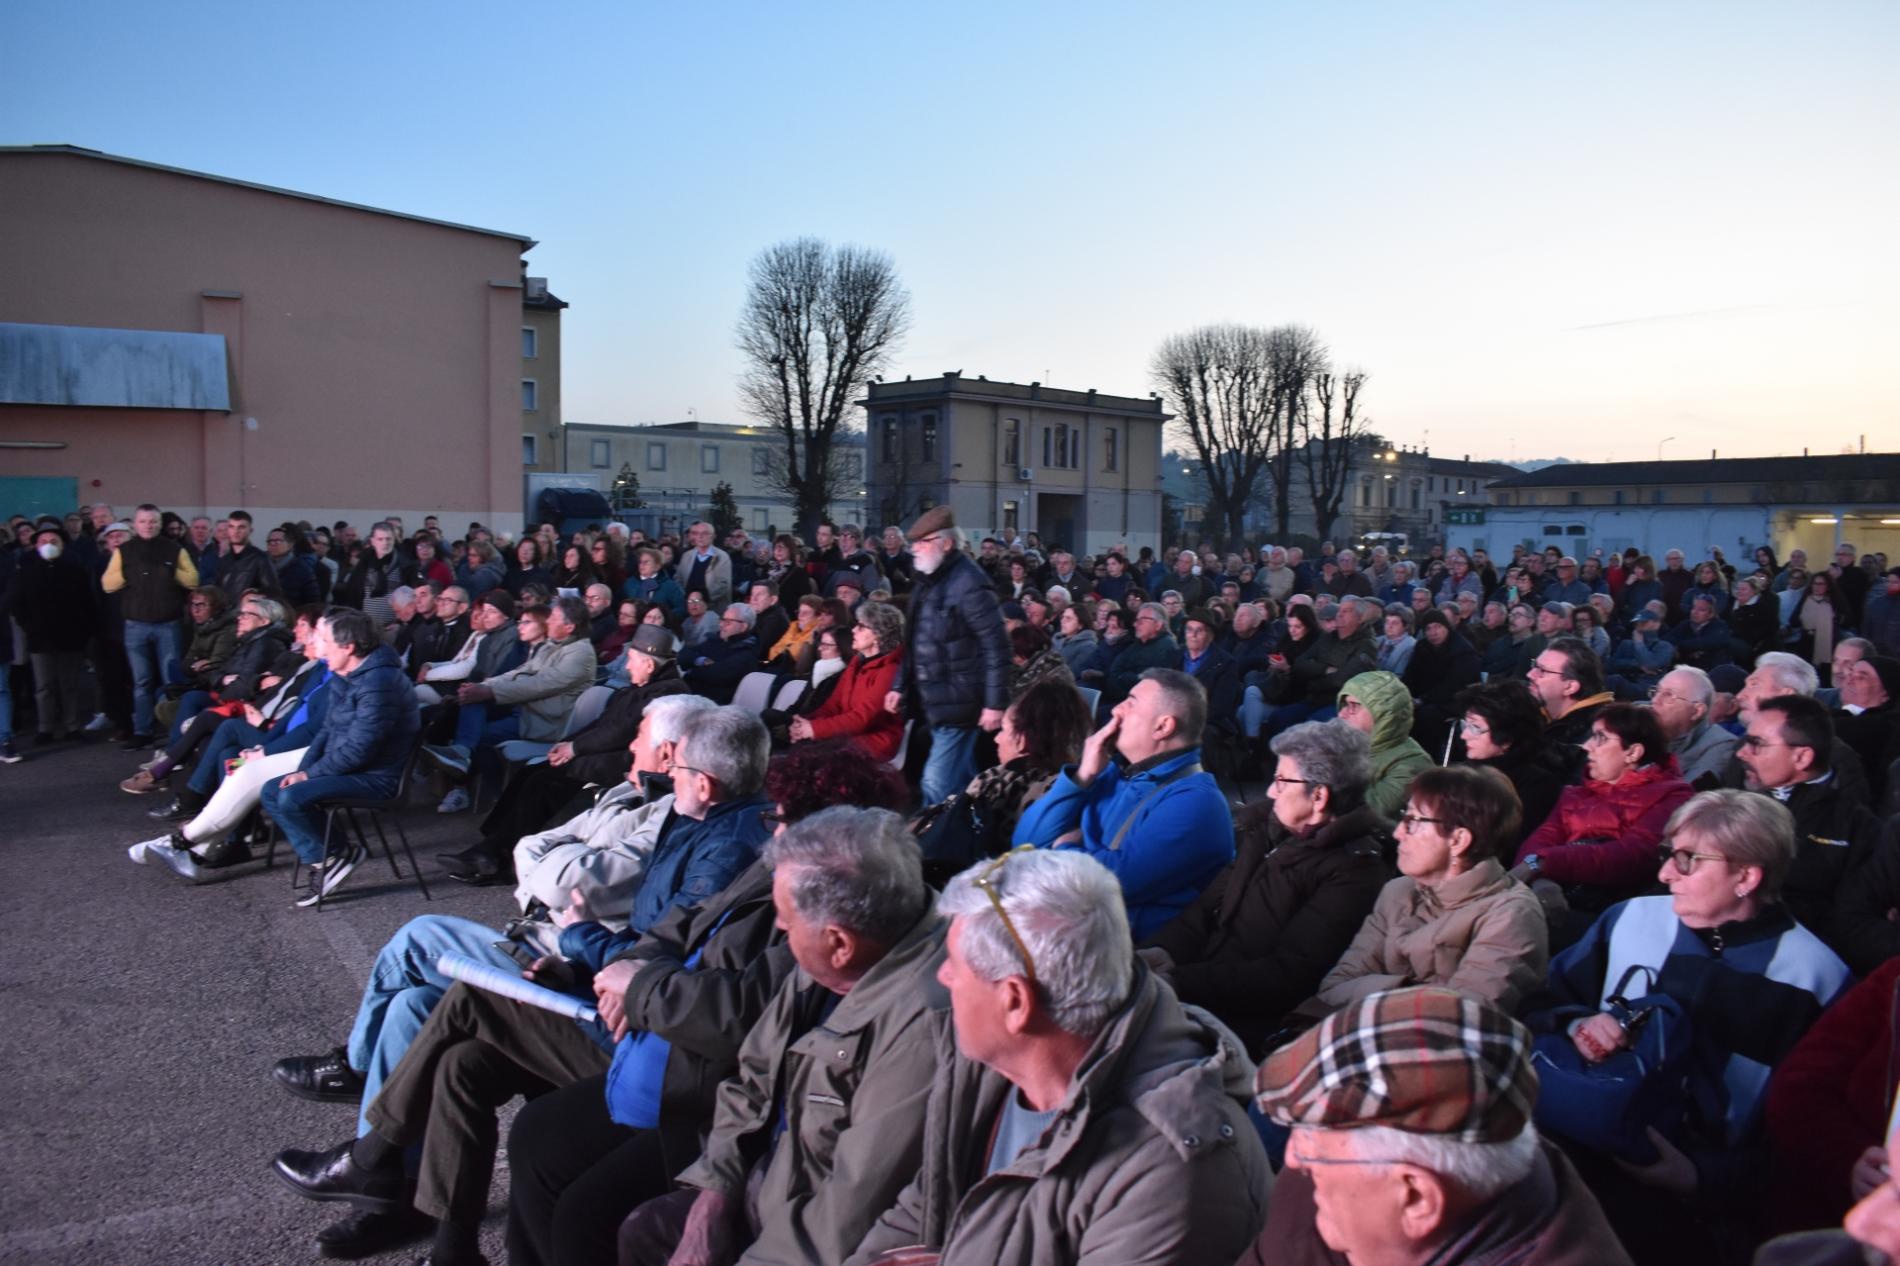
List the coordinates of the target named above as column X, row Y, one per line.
column 1408, row 822
column 672, row 765
column 1542, row 671
column 1595, row 737
column 1304, row 782
column 772, row 819
column 1755, row 743
column 1472, row 727
column 987, row 883
column 1685, row 859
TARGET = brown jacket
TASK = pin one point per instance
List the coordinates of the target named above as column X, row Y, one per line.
column 1481, row 933
column 1577, row 1233
column 1150, row 1158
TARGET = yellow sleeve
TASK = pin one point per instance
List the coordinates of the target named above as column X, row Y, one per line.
column 114, row 579
column 186, row 573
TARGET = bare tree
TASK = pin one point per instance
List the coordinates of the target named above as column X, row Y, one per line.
column 817, row 324
column 837, row 480
column 1295, row 356
column 1328, row 430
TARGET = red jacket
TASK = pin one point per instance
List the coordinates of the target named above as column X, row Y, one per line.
column 855, row 709
column 1606, row 833
column 1828, row 1102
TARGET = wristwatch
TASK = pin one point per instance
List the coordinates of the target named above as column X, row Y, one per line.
column 1534, row 863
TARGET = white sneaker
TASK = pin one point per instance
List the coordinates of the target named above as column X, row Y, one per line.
column 326, row 879
column 140, row 851
column 100, row 722
column 455, row 802
column 181, row 861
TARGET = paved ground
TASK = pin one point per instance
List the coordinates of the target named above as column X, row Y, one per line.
column 141, row 1017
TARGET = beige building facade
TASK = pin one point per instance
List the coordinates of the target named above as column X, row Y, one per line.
column 541, row 443
column 1080, row 468
column 209, row 344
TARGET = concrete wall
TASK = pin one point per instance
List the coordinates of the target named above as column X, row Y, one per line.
column 379, row 356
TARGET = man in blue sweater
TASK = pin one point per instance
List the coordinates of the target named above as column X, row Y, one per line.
column 1140, row 803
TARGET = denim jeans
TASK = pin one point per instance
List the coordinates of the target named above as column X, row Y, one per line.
column 290, row 807
column 6, row 699
column 951, row 764
column 190, row 704
column 232, row 737
column 404, row 987
column 478, row 726
column 152, row 650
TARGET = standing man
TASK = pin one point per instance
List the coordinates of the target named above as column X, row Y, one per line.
column 957, row 664
column 704, row 566
column 155, row 573
column 244, row 566
column 203, row 544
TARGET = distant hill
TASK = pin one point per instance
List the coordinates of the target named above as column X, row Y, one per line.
column 1538, row 463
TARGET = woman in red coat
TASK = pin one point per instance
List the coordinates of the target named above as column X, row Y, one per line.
column 856, row 709
column 1603, row 834
column 1829, row 1106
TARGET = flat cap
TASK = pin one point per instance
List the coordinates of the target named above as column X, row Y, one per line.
column 654, row 640
column 1425, row 1060
column 935, row 519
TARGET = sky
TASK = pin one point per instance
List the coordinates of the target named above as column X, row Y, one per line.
column 1598, row 231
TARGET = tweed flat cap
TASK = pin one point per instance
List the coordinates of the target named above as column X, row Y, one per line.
column 654, row 641
column 1427, row 1060
column 935, row 519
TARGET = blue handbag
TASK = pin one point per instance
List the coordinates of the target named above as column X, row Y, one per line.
column 1609, row 1106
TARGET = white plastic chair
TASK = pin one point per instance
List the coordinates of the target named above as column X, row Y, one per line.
column 754, row 692
column 903, row 748
column 790, row 693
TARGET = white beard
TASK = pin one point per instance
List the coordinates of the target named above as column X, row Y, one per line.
column 936, row 561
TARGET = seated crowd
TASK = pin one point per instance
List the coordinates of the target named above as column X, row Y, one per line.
column 900, row 899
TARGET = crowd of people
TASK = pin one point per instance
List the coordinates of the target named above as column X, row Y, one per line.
column 904, row 898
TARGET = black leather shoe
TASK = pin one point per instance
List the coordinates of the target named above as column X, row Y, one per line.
column 464, row 860
column 320, row 1078
column 476, row 877
column 228, row 851
column 335, row 1175
column 137, row 743
column 176, row 811
column 360, row 1234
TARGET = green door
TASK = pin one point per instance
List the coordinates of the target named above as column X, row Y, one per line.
column 34, row 497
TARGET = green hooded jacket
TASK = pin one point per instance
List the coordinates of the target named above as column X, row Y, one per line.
column 1396, row 756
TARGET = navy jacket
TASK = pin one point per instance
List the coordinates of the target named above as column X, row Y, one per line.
column 371, row 724
column 957, row 660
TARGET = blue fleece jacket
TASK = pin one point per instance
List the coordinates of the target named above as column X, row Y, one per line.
column 1181, row 836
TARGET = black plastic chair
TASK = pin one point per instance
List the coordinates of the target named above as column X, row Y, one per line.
column 376, row 810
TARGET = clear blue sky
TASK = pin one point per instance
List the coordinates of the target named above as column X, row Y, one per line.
column 1542, row 229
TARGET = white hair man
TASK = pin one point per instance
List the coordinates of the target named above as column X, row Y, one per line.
column 1778, row 675
column 1683, row 702
column 704, row 567
column 1412, row 1142
column 1110, row 1109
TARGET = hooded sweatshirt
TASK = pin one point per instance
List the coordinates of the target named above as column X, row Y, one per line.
column 1396, row 756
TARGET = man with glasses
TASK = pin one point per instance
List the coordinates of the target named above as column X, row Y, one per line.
column 1567, row 678
column 1411, row 1139
column 151, row 573
column 715, row 667
column 447, row 630
column 1139, row 802
column 1153, row 647
column 1683, row 702
column 1083, row 1083
column 1788, row 754
column 296, row 574
column 955, row 672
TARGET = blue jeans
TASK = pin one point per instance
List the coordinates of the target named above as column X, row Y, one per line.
column 951, row 763
column 290, row 807
column 475, row 729
column 232, row 737
column 404, row 987
column 152, row 650
column 190, row 704
column 6, row 700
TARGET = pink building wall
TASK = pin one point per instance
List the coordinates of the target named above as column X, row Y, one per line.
column 378, row 355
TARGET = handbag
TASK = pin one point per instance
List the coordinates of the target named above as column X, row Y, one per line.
column 1609, row 1106
column 953, row 837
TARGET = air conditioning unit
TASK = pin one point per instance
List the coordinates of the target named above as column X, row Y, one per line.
column 1025, row 474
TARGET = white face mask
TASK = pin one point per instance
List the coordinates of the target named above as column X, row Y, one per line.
column 50, row 550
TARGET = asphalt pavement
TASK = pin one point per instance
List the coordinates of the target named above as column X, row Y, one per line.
column 142, row 1014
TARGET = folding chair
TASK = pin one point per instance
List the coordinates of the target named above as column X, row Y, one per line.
column 903, row 748
column 789, row 694
column 376, row 810
column 754, row 692
column 1091, row 697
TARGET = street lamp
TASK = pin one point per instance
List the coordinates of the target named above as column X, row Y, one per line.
column 1659, row 446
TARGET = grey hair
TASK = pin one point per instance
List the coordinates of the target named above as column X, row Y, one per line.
column 1866, row 648
column 1184, row 698
column 1155, row 609
column 1791, row 672
column 1068, row 909
column 402, row 596
column 668, row 715
column 1171, row 593
column 273, row 611
column 449, row 589
column 1748, row 828
column 728, row 745
column 1481, row 1170
column 858, row 869
column 886, row 623
column 1700, row 689
column 1330, row 753
column 742, row 613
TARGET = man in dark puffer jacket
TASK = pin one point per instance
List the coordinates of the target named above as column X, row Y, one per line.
column 955, row 669
column 366, row 738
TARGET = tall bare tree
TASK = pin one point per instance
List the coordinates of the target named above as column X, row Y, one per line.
column 1328, row 429
column 839, row 478
column 1235, row 391
column 818, row 322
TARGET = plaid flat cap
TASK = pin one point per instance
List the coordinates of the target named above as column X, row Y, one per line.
column 1427, row 1060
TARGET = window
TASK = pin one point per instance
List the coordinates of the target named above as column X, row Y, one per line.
column 1011, row 512
column 854, row 465
column 928, row 442
column 1111, row 458
column 1575, row 529
column 761, row 460
column 1553, row 529
column 708, row 459
column 530, row 343
column 888, row 435
column 598, row 455
column 1012, row 442
column 1576, row 498
column 530, row 395
column 656, row 457
column 1415, row 495
column 1617, row 496
column 758, row 518
column 1659, row 496
column 528, row 457
column 887, row 511
column 1055, row 446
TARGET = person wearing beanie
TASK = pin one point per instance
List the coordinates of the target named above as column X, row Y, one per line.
column 1411, row 1140
column 1868, row 719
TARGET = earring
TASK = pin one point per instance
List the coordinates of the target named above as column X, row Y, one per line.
column 1741, row 892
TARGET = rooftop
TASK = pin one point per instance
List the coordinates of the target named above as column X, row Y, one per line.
column 953, row 383
column 79, row 151
column 1830, row 468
